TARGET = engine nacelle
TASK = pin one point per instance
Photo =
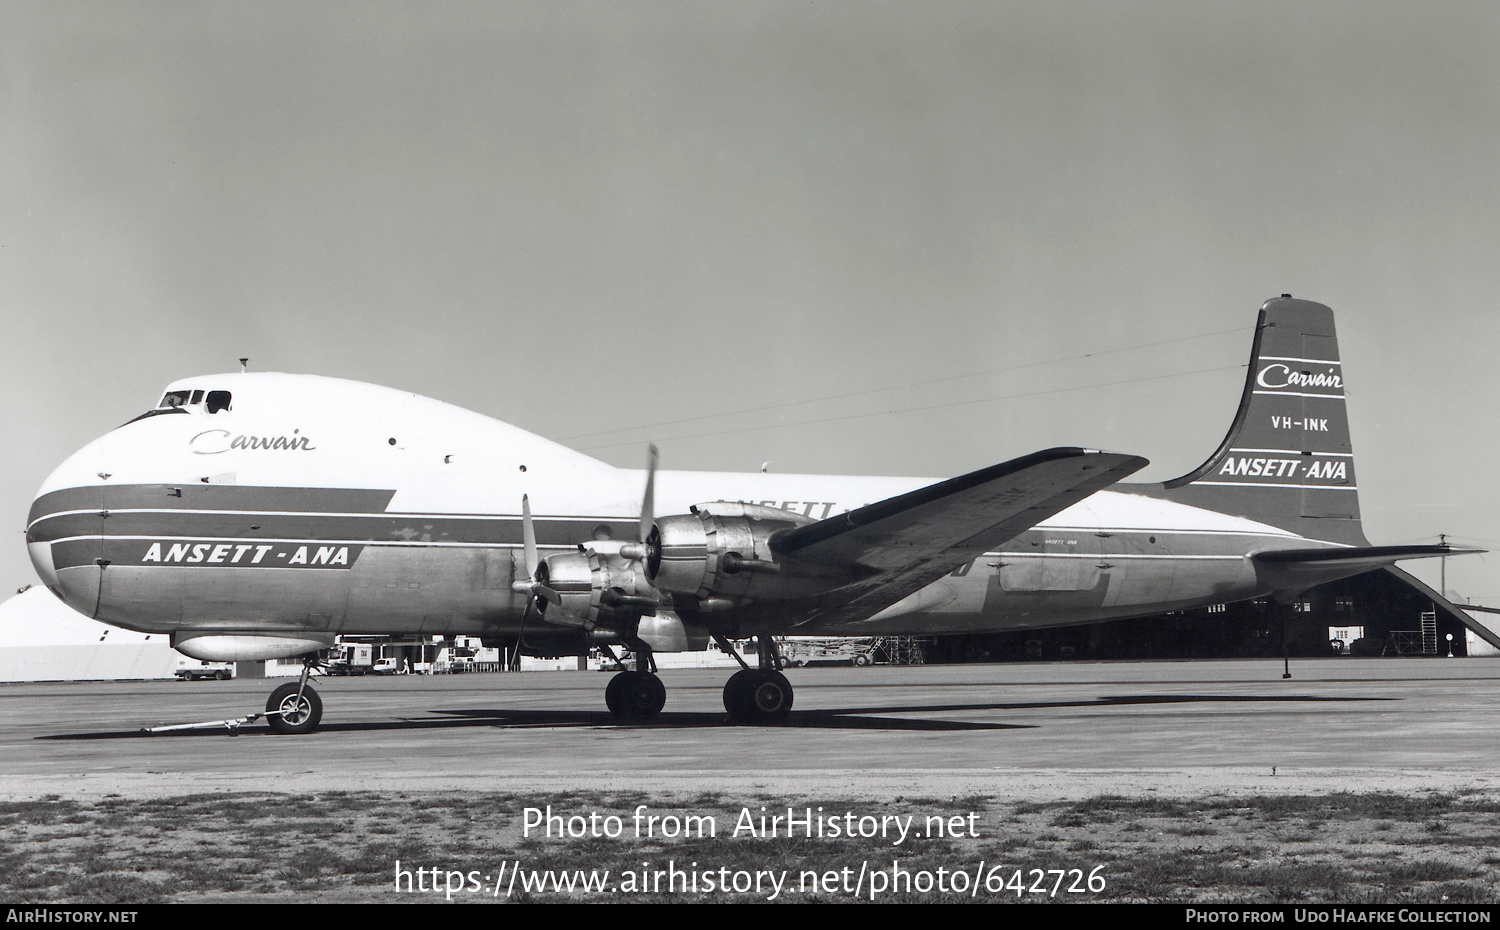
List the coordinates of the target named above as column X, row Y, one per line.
column 722, row 552
column 596, row 586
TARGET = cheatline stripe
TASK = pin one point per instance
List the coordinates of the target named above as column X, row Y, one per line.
column 398, row 544
column 594, row 519
column 1347, row 455
column 1288, row 358
column 689, row 547
column 394, row 515
column 517, row 546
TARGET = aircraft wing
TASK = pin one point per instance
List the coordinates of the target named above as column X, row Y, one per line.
column 900, row 545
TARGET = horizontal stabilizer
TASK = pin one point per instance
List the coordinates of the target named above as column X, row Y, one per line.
column 1374, row 556
column 1292, row 571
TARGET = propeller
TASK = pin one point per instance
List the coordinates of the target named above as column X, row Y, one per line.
column 533, row 586
column 637, row 550
column 537, row 583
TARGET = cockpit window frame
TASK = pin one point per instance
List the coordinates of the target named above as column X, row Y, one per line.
column 154, row 413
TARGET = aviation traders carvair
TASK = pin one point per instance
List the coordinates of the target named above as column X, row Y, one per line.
column 259, row 516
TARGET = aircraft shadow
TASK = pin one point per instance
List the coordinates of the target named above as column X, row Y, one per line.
column 845, row 718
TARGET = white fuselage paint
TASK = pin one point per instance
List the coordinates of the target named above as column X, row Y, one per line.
column 162, row 503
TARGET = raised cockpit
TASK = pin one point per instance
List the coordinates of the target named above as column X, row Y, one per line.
column 211, row 401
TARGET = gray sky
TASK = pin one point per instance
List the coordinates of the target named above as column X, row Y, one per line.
column 579, row 217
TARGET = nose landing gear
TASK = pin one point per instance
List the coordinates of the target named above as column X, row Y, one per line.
column 295, row 707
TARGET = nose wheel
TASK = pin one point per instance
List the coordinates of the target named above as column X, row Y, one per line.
column 295, row 707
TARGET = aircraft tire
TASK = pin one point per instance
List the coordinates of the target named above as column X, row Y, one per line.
column 285, row 717
column 635, row 695
column 757, row 696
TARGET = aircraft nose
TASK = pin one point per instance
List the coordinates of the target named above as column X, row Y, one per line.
column 64, row 530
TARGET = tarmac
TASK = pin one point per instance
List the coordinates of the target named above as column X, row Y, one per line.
column 1029, row 731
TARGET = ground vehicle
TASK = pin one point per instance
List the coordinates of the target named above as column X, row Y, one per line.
column 387, row 666
column 350, row 659
column 190, row 670
column 805, row 650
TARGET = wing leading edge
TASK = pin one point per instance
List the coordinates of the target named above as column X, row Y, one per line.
column 900, row 545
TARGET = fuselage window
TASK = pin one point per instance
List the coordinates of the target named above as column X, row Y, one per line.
column 218, row 400
column 174, row 399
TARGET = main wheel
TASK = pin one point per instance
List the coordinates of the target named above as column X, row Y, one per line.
column 286, row 714
column 757, row 696
column 635, row 695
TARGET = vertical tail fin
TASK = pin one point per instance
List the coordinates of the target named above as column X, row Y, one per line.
column 1287, row 460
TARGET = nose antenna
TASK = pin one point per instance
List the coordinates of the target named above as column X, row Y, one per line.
column 244, row 365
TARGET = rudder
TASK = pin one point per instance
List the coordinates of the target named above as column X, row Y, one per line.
column 1287, row 460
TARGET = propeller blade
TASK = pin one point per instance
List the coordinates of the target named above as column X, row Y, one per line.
column 528, row 539
column 648, row 503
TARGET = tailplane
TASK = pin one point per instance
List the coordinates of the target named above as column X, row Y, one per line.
column 1287, row 460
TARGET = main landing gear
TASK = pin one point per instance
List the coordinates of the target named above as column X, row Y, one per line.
column 752, row 695
column 638, row 694
column 295, row 707
column 757, row 695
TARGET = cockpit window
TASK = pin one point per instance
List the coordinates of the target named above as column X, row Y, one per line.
column 218, row 400
column 197, row 397
column 174, row 399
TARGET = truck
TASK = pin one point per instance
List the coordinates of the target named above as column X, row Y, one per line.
column 350, row 659
column 195, row 670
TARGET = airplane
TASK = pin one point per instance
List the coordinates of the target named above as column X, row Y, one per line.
column 257, row 516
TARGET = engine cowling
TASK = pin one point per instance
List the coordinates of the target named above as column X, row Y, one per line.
column 720, row 553
column 596, row 586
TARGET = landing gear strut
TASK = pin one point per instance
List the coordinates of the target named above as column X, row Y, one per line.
column 635, row 694
column 295, row 707
column 757, row 695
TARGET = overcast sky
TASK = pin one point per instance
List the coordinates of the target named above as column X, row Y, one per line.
column 870, row 238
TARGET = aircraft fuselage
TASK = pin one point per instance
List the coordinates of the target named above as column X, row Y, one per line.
column 314, row 504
